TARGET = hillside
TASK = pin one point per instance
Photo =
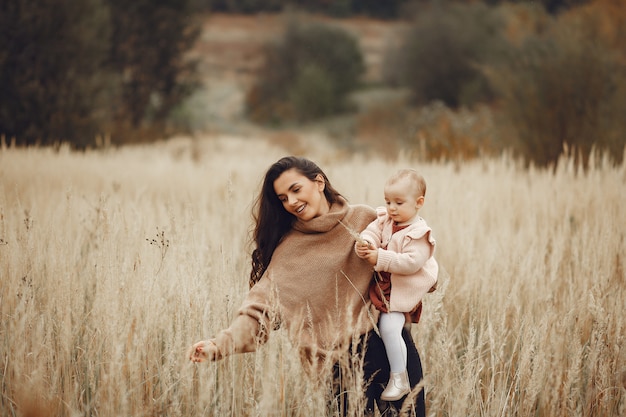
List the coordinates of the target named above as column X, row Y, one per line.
column 230, row 51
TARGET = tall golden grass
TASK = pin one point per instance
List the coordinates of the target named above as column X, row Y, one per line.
column 113, row 262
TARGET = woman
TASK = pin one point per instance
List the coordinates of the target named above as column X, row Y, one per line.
column 307, row 277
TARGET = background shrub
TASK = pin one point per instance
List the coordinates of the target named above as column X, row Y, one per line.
column 51, row 85
column 74, row 70
column 307, row 75
column 387, row 9
column 565, row 87
column 312, row 93
column 148, row 50
column 443, row 54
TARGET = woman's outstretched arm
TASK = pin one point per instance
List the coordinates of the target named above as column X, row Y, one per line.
column 248, row 330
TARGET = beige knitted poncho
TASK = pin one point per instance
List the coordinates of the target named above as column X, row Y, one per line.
column 315, row 287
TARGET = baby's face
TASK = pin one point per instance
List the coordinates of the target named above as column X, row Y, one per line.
column 401, row 200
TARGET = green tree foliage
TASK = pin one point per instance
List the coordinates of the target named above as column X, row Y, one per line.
column 307, row 74
column 443, row 55
column 148, row 46
column 238, row 6
column 565, row 88
column 556, row 6
column 387, row 9
column 71, row 70
column 51, row 84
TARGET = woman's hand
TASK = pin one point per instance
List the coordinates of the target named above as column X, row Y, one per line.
column 367, row 251
column 203, row 351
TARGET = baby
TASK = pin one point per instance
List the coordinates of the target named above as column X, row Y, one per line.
column 400, row 246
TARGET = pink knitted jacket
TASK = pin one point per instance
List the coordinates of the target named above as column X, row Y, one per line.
column 408, row 255
column 315, row 287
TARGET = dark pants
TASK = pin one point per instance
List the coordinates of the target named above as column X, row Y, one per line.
column 376, row 370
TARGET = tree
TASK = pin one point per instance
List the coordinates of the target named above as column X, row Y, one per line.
column 444, row 53
column 564, row 88
column 52, row 87
column 71, row 70
column 150, row 39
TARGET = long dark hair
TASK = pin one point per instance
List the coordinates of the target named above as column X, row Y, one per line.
column 272, row 220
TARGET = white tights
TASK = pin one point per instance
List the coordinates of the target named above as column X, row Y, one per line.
column 390, row 326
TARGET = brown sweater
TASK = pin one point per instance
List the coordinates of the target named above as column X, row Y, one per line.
column 315, row 287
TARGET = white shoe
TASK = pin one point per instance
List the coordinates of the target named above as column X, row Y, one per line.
column 397, row 387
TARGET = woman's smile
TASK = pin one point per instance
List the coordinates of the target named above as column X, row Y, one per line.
column 302, row 197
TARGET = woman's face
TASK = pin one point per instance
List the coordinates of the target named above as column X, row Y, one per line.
column 300, row 196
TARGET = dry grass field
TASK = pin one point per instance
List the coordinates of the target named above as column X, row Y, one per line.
column 113, row 262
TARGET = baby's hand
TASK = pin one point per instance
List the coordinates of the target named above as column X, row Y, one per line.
column 362, row 248
column 202, row 351
column 367, row 251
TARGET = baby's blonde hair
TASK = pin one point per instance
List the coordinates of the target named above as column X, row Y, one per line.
column 417, row 180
